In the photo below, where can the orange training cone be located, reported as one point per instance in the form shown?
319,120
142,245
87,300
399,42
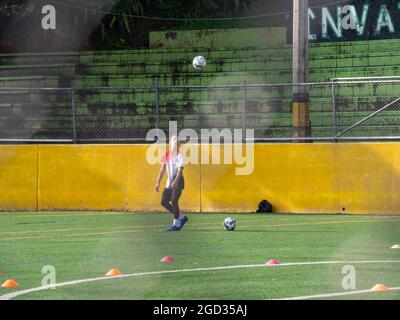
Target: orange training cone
272,262
114,272
10,284
167,259
380,288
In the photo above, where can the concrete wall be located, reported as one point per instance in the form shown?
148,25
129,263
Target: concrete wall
359,178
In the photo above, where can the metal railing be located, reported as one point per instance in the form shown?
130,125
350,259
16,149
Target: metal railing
342,109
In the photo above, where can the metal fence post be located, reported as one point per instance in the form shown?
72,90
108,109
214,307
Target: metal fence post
335,130
157,93
244,110
73,110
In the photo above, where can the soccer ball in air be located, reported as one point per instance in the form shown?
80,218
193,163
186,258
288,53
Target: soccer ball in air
199,63
230,224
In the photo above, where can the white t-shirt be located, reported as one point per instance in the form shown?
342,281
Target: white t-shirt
173,162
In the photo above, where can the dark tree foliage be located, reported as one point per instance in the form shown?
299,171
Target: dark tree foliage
89,25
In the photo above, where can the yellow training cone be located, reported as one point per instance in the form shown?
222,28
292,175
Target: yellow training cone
10,284
380,288
114,272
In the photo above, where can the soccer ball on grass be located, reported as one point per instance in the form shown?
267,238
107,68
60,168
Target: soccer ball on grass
229,224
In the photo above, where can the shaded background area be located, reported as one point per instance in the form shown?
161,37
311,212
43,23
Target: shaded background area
85,24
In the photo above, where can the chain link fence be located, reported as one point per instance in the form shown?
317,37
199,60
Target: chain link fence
343,109
114,114
29,115
367,108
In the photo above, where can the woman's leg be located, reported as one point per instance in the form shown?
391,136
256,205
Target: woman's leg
165,200
176,194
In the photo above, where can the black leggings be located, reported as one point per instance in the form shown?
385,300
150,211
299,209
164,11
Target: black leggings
170,198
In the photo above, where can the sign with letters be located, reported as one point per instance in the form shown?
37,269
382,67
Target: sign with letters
356,20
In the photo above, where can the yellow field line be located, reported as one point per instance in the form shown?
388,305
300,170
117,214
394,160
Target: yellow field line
129,227
87,214
328,222
71,235
131,231
39,231
101,233
320,223
25,238
118,227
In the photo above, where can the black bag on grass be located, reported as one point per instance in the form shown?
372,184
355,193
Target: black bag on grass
264,207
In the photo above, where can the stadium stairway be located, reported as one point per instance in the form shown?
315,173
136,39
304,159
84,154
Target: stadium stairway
28,112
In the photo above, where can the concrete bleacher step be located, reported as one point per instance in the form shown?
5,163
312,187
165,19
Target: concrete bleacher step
235,64
182,79
341,54
370,130
321,70
139,55
29,134
268,109
206,79
183,66
30,82
48,110
139,68
37,70
158,55
267,132
39,58
267,127
102,117
34,96
226,77
223,99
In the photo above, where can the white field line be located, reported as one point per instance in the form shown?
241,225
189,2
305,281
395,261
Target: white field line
76,282
330,295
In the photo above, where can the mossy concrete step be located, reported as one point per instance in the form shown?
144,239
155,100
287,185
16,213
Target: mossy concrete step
30,134
141,55
128,132
183,66
34,96
182,79
256,121
273,96
243,64
155,55
36,109
37,69
30,82
262,99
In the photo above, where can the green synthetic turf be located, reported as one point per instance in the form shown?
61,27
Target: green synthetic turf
87,245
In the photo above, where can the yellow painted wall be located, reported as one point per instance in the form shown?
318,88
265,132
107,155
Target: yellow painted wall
18,178
310,178
104,177
305,178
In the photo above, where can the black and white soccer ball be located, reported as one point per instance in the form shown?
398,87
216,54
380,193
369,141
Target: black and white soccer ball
229,224
199,63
